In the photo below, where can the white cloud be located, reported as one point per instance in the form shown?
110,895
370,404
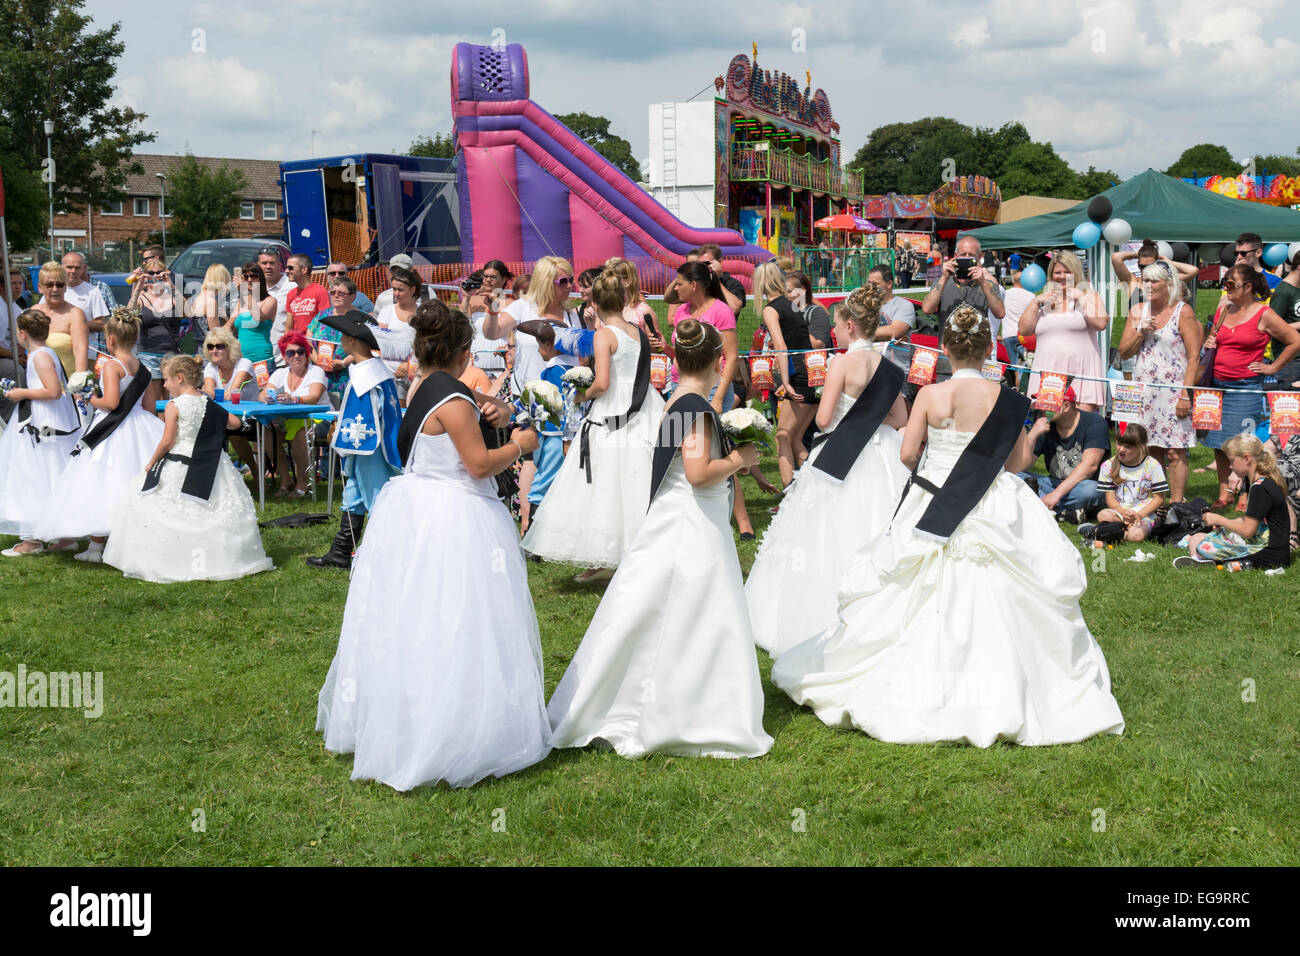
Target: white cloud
972,33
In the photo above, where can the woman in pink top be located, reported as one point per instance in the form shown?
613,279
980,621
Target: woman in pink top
1066,320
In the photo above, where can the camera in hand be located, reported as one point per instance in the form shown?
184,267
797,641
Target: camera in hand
471,284
964,266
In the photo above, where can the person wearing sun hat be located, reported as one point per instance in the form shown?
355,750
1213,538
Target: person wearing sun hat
366,437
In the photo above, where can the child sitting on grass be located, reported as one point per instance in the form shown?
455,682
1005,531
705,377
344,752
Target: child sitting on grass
1135,488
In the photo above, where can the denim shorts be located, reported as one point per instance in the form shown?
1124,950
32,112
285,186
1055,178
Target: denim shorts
153,362
728,402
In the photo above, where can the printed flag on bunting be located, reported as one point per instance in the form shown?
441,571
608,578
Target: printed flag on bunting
924,362
1207,409
1283,414
1126,401
1051,392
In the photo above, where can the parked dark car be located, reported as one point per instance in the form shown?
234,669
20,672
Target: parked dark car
191,265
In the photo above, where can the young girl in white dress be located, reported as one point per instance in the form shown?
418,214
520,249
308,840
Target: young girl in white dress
668,663
114,448
597,501
438,672
844,495
190,516
962,623
35,446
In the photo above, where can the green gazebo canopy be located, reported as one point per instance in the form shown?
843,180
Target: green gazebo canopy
1157,207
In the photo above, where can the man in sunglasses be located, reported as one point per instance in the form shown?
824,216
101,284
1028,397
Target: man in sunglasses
306,299
1249,250
337,270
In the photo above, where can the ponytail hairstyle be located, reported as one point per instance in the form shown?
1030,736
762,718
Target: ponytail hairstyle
441,334
1249,446
124,326
862,309
1252,279
700,272
698,345
631,281
609,293
966,335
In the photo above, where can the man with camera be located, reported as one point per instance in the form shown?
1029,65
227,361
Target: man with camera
964,281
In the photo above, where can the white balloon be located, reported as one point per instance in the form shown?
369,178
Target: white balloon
1117,232
1292,251
1165,249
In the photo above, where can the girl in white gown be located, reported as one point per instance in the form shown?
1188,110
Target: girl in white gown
668,663
35,446
438,672
596,503
190,516
828,515
963,622
115,447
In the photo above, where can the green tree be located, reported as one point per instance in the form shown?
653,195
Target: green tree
53,66
594,131
26,219
1278,165
1034,169
438,146
201,201
1096,181
1205,159
904,157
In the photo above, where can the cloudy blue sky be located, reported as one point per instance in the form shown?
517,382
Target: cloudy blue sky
1112,83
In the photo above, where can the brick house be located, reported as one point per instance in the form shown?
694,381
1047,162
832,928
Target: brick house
138,215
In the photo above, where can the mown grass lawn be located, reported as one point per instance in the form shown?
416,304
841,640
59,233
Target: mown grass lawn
206,752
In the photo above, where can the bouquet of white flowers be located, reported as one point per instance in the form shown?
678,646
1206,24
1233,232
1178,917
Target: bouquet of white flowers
540,403
81,386
745,425
580,377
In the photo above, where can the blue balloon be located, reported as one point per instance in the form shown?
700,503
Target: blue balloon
1275,254
1086,234
1033,278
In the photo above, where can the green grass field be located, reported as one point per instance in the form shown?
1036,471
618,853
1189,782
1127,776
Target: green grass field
206,752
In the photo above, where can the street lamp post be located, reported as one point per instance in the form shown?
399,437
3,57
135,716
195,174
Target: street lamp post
49,175
162,210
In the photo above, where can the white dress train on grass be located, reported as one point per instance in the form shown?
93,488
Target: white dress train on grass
821,524
977,640
438,672
592,525
31,463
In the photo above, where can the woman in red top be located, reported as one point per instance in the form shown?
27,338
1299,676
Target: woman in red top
1240,333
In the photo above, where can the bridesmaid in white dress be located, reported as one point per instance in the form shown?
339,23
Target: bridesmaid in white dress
668,663
597,501
840,501
962,623
190,517
438,673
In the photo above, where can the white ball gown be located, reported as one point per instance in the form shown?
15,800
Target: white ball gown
822,522
592,525
30,469
974,641
165,536
668,663
438,672
96,477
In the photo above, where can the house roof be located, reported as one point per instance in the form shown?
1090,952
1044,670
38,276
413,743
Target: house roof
1023,207
262,174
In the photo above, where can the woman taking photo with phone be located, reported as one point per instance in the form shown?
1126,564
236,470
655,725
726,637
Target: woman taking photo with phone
160,324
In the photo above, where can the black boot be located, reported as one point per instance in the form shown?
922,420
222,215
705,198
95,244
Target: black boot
345,542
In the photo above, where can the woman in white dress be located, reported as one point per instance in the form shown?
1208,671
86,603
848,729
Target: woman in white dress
191,517
597,501
844,495
35,446
668,663
962,623
438,672
113,450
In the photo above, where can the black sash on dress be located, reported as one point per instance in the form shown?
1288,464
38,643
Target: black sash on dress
22,416
130,397
976,468
201,466
433,391
673,429
850,436
640,387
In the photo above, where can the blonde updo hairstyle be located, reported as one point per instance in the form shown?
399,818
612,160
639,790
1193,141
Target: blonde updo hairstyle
966,335
186,367
124,326
698,346
610,293
862,310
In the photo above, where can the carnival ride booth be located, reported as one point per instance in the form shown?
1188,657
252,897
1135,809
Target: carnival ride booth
528,187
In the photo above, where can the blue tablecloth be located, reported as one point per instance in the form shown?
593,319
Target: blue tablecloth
268,411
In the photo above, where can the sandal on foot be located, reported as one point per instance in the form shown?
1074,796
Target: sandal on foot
14,552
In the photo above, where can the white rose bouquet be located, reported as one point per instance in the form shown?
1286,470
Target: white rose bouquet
745,425
580,377
81,386
540,403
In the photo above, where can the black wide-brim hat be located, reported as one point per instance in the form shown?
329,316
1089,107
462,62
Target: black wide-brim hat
354,323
